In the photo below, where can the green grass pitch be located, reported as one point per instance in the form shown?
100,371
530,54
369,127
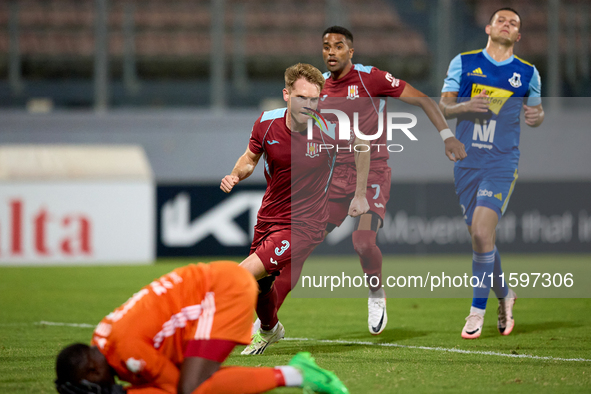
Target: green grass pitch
420,350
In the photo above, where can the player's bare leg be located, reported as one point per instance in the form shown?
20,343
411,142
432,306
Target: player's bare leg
484,222
364,242
255,266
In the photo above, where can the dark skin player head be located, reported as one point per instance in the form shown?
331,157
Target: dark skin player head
79,362
337,52
84,369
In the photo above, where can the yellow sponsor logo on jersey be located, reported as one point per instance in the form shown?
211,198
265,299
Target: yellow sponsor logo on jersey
499,196
497,97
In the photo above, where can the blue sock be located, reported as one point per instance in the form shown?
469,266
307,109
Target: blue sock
499,285
482,266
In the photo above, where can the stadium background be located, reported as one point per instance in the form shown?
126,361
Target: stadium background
185,80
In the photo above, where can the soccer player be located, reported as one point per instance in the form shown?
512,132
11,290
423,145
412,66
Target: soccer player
294,211
485,90
364,89
174,334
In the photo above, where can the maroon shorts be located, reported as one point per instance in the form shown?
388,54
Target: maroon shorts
342,191
280,244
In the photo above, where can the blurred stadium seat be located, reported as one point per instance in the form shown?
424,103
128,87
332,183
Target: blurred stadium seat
55,28
172,42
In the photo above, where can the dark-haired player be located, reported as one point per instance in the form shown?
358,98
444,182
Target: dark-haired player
486,90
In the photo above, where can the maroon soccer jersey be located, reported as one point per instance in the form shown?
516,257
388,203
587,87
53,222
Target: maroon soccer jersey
296,168
363,90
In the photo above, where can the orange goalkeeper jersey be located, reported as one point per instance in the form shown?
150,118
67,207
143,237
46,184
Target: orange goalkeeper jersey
144,339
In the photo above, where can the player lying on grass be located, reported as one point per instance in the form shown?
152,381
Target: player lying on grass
172,337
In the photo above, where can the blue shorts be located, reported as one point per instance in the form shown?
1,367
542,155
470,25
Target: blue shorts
484,187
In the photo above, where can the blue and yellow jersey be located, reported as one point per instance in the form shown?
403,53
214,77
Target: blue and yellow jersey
492,138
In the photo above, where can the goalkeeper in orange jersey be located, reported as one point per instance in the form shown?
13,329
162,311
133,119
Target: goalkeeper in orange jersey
172,337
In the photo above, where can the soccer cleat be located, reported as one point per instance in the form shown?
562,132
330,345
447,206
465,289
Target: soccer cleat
377,315
316,379
506,323
473,327
260,340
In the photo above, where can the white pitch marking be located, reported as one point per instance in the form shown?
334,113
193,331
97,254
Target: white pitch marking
80,325
437,349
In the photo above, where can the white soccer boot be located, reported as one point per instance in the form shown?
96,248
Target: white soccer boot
377,316
261,339
473,327
506,323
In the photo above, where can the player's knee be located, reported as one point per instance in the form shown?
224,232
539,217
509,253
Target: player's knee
364,241
481,235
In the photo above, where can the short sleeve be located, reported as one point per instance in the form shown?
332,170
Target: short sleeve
534,93
385,85
255,144
454,75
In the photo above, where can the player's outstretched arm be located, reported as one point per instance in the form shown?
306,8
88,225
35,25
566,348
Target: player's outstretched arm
534,116
359,204
454,149
243,169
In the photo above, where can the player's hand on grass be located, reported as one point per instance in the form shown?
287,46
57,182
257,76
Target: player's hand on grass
454,149
358,206
228,183
478,103
532,115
